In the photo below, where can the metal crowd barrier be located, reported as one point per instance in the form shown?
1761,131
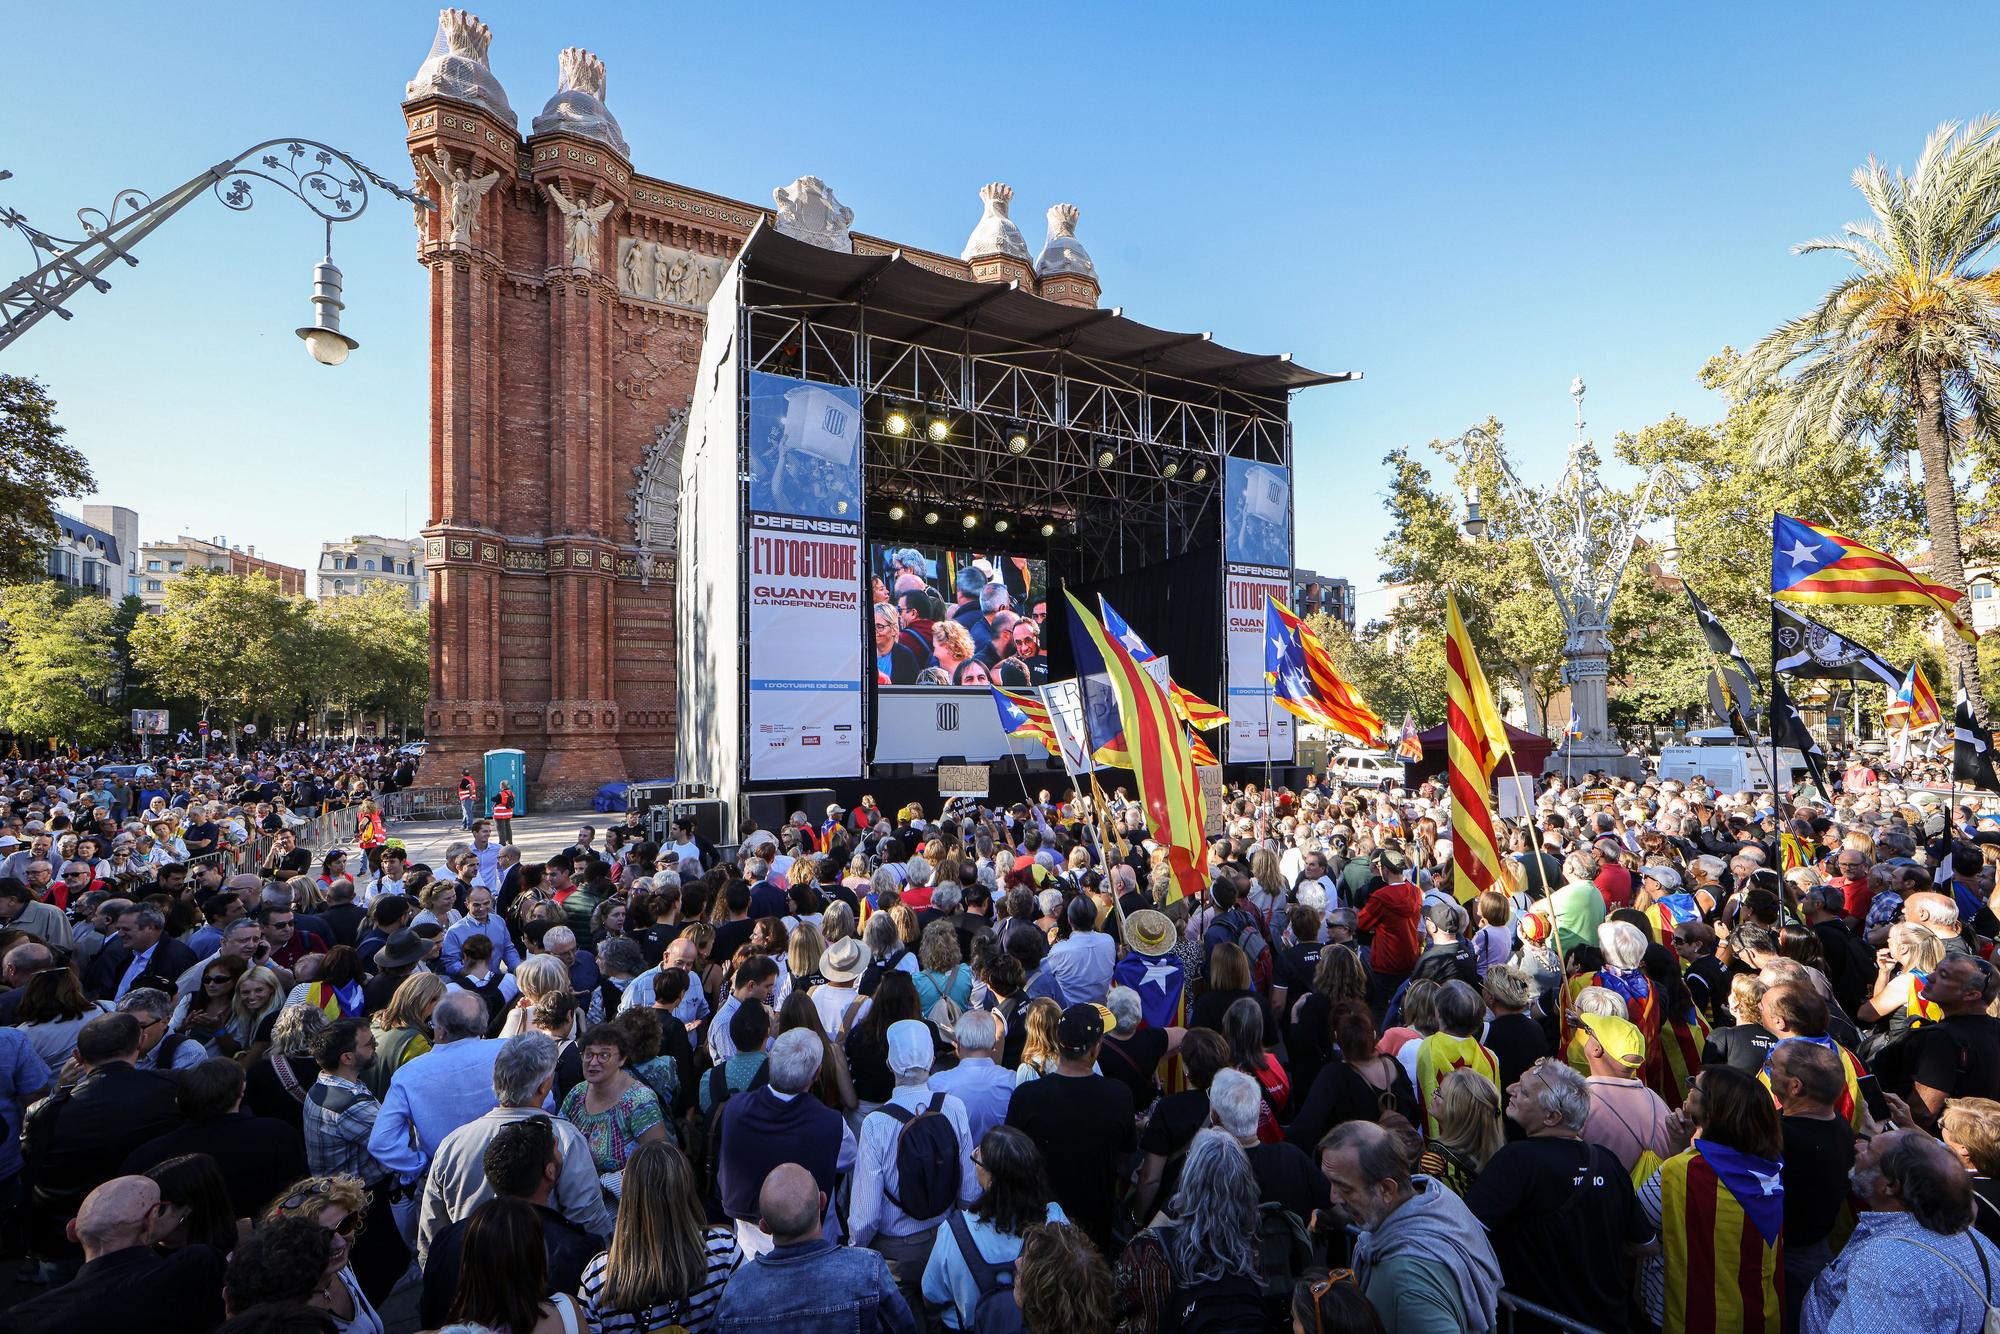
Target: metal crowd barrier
1512,1307
421,803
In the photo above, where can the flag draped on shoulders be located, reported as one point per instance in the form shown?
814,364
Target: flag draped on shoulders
1304,682
1722,1216
1161,981
1157,745
1475,743
1814,564
1440,1054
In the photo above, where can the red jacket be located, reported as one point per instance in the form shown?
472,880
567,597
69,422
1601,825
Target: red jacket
1393,913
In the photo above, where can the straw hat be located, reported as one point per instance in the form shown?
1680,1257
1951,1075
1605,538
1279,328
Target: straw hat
1149,931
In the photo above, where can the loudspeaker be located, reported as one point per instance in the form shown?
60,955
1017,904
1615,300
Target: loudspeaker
770,810
646,796
711,819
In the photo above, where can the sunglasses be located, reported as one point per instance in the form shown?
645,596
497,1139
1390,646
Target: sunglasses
1320,1288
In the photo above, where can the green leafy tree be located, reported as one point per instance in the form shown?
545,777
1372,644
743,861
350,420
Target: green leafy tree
228,642
1907,337
36,468
377,647
56,664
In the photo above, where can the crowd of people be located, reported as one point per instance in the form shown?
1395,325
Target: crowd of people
1692,1063
989,633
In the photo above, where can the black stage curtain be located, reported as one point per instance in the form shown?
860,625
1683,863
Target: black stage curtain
1175,606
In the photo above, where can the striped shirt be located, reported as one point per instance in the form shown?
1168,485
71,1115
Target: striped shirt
720,1257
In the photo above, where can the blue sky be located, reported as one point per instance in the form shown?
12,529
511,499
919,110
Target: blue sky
1469,204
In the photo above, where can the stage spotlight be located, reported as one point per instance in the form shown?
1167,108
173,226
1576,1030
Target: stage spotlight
1001,525
1107,454
1048,529
970,521
897,513
1200,473
896,421
930,518
1017,441
937,428
1170,468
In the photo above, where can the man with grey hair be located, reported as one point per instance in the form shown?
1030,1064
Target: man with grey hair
1284,1173
978,1080
1423,1261
449,1086
1081,963
877,1215
159,1048
523,1074
1554,1194
142,948
776,1123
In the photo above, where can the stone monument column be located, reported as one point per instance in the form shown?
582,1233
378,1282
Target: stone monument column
462,141
581,167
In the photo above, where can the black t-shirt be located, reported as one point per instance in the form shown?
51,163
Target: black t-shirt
1745,1047
1083,1125
199,837
1559,1213
1339,1094
1960,1056
1135,1062
653,941
1818,1154
1208,1011
1287,1176
1295,966
1516,1042
729,937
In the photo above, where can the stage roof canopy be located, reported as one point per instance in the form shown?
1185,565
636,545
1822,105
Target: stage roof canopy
909,302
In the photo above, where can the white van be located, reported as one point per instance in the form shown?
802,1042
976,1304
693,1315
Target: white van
1364,768
1728,764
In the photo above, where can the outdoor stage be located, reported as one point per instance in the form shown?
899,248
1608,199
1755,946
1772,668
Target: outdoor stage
866,430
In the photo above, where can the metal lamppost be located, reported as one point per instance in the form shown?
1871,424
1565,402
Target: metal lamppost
1583,539
333,184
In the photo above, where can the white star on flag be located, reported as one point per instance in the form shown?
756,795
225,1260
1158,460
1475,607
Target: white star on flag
1801,553
1157,974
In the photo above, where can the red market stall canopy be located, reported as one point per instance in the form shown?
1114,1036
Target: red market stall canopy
1531,752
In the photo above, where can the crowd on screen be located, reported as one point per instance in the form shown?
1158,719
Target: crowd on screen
986,630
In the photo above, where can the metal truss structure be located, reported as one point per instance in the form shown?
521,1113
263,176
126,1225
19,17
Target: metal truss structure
1124,465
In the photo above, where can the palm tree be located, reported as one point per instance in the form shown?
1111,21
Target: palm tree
1908,340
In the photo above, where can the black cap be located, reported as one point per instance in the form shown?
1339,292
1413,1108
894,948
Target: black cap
1080,1027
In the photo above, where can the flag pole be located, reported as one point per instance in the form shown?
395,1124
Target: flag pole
1269,689
1722,687
1019,773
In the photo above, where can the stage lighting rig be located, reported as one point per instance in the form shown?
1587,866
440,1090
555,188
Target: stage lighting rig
1200,473
1107,453
897,513
1017,439
970,520
1048,529
930,518
896,421
937,427
1001,524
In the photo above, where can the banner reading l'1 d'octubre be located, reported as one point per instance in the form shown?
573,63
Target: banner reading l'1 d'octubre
806,579
1257,551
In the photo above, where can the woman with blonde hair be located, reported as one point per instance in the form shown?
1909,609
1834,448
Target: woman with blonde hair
253,1012
803,946
338,1204
212,1006
1040,1051
906,925
402,1028
1268,892
1469,1131
951,644
1746,1043
537,977
666,1264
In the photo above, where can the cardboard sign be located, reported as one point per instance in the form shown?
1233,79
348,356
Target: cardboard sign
1213,796
964,780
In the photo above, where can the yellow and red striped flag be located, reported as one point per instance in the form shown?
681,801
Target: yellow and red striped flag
1156,743
1814,564
1203,756
1304,682
1914,706
1475,742
1195,711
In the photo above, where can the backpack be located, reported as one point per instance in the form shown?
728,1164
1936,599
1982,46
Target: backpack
704,1129
996,1311
1284,1252
1255,941
944,1011
927,1166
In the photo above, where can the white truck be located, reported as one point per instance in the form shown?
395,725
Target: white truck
1720,756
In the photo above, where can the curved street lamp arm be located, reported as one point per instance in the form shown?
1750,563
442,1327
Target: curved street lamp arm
331,183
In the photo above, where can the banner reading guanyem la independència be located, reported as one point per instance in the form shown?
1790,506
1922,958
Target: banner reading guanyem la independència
805,579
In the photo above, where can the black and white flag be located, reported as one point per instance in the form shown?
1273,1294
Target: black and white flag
1807,649
1788,727
1972,746
1720,641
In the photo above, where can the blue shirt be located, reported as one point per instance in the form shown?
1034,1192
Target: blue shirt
947,1281
493,929
435,1094
691,1009
985,1088
1886,1281
23,1073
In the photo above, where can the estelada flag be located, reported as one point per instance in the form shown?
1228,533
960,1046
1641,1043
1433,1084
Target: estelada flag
1913,705
1303,680
1814,564
1475,742
1023,715
1160,756
1409,746
1722,1230
1195,711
